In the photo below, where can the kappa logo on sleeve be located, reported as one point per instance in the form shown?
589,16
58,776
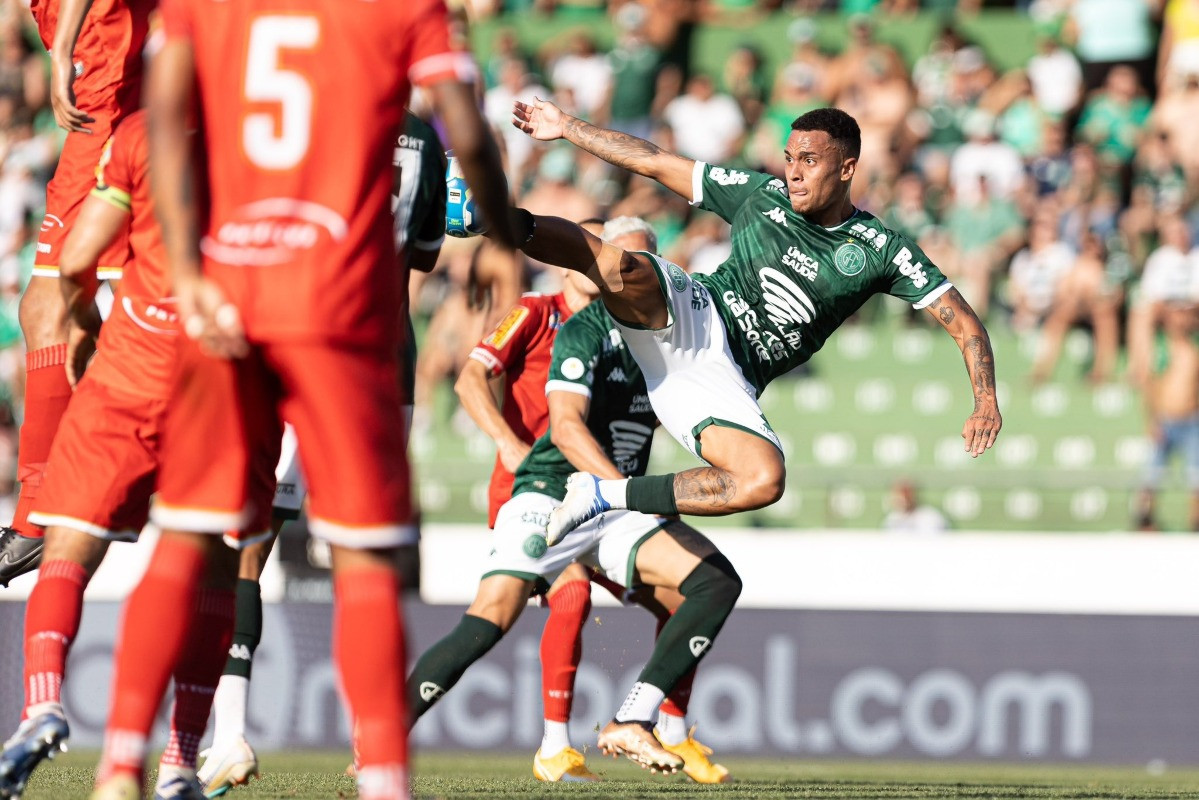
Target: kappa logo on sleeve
507,327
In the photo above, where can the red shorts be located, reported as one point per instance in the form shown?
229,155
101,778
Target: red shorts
101,469
103,466
73,180
345,407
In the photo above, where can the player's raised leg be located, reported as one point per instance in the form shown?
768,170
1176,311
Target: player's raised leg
746,472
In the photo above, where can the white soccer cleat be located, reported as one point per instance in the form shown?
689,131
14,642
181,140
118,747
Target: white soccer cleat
636,742
178,783
581,503
231,766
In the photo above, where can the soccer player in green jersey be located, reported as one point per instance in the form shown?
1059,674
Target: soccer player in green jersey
600,420
803,260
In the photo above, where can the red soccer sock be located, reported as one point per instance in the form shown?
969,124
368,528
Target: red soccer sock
51,624
155,628
46,395
562,648
196,675
368,646
679,698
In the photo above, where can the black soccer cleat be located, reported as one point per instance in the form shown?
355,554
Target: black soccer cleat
18,554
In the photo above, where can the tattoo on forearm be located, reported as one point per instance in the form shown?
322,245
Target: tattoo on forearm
614,147
981,363
704,488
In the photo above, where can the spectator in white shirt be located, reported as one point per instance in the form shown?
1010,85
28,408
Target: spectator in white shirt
706,125
586,74
983,156
908,516
1036,273
1056,77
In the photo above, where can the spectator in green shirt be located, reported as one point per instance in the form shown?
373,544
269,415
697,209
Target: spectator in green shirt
1114,117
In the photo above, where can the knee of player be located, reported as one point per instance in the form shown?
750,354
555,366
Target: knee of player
718,579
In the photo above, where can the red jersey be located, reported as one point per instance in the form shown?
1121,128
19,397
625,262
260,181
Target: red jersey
108,53
520,347
303,102
136,352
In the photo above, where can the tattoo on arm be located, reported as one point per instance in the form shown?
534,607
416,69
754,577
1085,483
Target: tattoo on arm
946,314
616,148
702,489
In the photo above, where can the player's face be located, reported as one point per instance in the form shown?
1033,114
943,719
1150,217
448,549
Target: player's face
817,173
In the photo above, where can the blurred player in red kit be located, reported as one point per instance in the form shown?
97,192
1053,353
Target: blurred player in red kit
101,470
96,79
287,292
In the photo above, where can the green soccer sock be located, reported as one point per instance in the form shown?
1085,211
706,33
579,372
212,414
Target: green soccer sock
652,494
709,594
247,629
443,664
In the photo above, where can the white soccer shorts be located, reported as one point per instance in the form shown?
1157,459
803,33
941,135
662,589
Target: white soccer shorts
608,542
690,371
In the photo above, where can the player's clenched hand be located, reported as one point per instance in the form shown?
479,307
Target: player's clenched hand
81,346
210,319
542,120
62,97
512,453
981,428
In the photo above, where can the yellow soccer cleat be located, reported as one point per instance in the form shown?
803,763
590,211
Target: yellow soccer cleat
118,787
568,766
696,764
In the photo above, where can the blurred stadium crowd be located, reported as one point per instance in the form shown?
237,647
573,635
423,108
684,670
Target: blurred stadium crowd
1057,193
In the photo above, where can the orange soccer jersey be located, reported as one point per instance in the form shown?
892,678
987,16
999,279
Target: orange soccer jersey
108,64
302,102
300,129
102,466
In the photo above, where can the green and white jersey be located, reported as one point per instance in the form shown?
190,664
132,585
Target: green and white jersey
590,358
789,283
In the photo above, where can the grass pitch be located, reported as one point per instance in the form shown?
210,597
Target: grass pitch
312,775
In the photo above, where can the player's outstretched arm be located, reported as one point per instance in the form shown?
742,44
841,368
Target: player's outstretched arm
477,154
569,433
545,121
959,319
62,66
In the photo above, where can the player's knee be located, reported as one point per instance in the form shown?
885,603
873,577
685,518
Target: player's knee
716,580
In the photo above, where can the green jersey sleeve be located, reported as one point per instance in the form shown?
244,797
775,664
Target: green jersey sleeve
572,365
724,190
910,274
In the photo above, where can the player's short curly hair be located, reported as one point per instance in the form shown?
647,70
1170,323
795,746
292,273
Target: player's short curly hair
840,127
